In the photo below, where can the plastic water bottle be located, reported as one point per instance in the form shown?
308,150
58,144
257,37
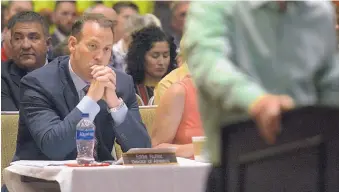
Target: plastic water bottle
85,140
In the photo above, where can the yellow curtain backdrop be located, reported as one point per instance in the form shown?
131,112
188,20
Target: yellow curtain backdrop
47,5
144,6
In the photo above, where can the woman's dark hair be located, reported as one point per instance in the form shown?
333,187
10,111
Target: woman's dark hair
142,42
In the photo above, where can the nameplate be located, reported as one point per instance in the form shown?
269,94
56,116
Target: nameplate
150,157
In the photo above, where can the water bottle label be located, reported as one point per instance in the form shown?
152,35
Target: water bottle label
85,134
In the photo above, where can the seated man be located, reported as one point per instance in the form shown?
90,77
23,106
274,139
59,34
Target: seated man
12,8
29,41
54,97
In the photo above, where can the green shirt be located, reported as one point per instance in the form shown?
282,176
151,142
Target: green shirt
238,51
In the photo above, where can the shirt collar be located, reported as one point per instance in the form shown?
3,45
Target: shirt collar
78,82
118,48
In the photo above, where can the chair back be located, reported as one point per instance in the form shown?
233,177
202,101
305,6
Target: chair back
147,115
140,101
304,158
151,101
9,132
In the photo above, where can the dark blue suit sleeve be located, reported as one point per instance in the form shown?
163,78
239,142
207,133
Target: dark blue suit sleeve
7,102
131,133
54,137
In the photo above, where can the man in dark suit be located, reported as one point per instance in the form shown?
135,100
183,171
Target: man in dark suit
29,40
54,97
63,17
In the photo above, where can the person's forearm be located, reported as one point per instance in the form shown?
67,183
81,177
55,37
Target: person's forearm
56,139
131,133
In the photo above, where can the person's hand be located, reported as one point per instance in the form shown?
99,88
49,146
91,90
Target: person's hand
107,75
96,90
266,112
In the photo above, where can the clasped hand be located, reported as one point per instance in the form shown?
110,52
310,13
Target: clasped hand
103,85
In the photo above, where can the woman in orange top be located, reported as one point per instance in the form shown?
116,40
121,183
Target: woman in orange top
177,119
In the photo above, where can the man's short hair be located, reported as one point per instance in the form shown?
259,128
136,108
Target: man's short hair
94,17
28,17
125,4
57,3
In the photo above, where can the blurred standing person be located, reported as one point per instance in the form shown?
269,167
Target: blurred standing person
63,17
257,59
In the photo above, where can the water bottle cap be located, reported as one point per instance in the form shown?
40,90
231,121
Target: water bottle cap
85,115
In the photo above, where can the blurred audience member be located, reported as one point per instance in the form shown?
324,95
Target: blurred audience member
63,17
162,10
124,10
151,56
30,40
12,8
47,14
61,49
6,48
132,24
3,24
106,11
179,10
177,119
151,19
174,76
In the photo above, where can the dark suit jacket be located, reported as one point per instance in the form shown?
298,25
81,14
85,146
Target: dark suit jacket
54,40
10,81
48,116
11,75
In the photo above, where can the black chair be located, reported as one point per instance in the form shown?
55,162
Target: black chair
305,157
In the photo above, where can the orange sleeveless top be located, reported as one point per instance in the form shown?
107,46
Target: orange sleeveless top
190,124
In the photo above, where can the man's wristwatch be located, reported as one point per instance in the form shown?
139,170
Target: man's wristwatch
115,109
